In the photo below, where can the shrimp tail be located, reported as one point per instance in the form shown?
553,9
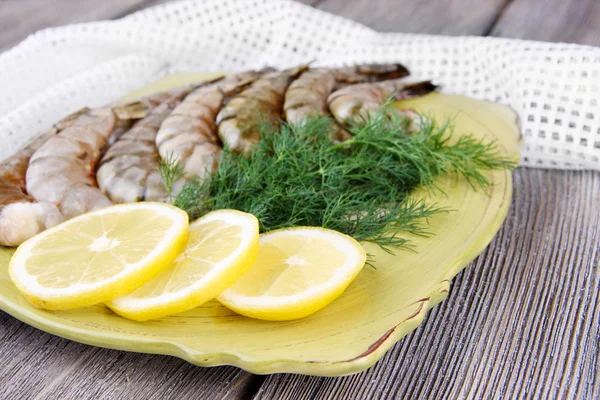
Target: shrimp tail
133,110
368,73
416,89
389,71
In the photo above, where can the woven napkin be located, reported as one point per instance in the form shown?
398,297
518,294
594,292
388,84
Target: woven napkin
554,87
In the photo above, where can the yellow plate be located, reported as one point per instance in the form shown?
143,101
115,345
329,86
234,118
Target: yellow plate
381,306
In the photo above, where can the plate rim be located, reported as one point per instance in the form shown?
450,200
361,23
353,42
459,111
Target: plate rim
316,368
376,351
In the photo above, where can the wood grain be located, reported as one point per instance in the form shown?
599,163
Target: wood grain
20,18
449,17
32,359
572,21
523,321
37,365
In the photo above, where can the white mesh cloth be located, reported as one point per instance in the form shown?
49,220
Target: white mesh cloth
555,88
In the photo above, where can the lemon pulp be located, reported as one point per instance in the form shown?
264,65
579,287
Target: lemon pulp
221,247
297,272
99,255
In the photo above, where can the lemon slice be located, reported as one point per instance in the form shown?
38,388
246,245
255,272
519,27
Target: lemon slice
297,272
98,256
221,247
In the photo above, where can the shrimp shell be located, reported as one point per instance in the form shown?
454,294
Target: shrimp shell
189,134
135,110
238,121
368,73
21,217
129,171
307,96
61,171
353,103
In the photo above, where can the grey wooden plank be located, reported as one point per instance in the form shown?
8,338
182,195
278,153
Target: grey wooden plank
37,365
110,374
32,359
572,21
151,3
523,321
449,17
20,18
37,360
143,5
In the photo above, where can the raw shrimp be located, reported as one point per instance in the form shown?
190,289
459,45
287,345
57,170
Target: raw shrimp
238,120
129,112
21,216
307,96
129,171
366,73
61,171
353,103
189,134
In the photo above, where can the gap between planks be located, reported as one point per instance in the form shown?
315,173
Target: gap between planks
499,14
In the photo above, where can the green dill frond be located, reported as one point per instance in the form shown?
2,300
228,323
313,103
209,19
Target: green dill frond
170,172
429,149
297,176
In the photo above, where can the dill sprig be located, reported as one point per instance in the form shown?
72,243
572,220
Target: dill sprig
297,176
170,172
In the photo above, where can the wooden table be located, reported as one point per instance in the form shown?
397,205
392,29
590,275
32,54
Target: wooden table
522,321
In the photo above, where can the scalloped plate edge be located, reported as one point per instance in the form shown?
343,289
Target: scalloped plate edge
367,359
